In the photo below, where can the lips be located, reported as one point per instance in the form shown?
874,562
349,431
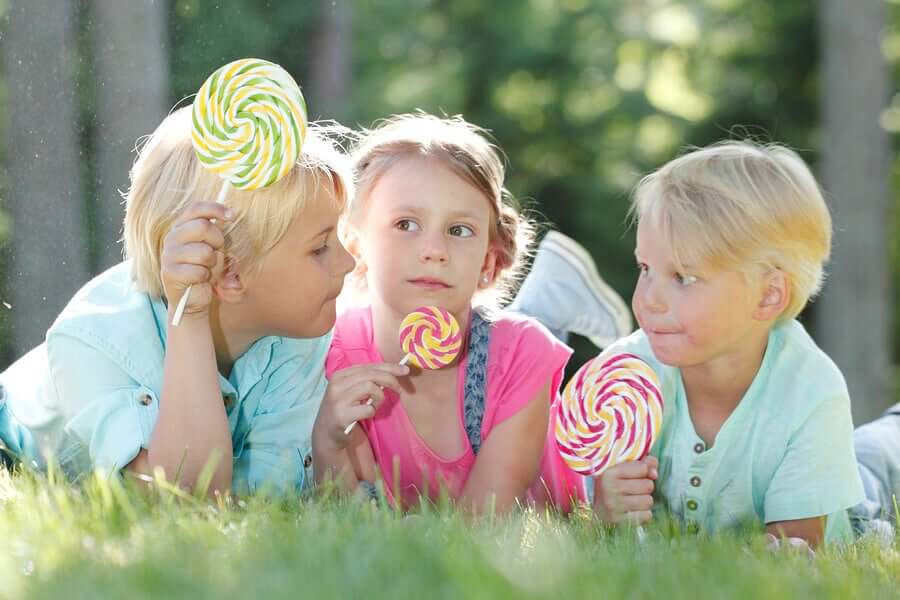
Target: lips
429,283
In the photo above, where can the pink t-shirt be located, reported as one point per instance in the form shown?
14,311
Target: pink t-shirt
522,358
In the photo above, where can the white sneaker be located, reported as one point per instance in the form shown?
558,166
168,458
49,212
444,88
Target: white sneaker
565,292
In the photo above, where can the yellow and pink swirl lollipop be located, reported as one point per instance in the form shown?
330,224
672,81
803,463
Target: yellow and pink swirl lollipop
249,123
610,412
431,339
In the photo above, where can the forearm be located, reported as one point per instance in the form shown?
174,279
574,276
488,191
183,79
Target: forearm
192,427
331,463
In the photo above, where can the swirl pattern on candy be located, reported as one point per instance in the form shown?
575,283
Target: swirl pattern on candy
610,412
249,123
430,337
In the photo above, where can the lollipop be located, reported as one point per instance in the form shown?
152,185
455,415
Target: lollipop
431,339
249,123
611,412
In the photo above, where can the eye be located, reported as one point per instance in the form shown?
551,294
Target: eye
406,225
462,231
685,280
320,250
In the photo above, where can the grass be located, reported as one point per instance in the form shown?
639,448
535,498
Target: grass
106,538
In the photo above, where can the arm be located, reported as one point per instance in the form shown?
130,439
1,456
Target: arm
348,459
818,476
810,530
509,460
192,427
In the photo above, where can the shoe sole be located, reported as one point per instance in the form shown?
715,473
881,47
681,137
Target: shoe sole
579,258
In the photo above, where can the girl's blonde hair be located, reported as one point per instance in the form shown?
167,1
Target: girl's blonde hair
743,206
465,149
167,177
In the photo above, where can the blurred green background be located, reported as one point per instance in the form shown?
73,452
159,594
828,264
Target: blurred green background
584,96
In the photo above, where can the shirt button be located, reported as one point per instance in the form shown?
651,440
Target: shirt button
307,462
145,399
695,481
699,448
692,504
693,527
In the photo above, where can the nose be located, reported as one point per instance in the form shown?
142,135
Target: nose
648,295
434,248
345,261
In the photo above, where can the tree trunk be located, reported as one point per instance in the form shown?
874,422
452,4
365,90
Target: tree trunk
132,78
854,319
328,92
49,260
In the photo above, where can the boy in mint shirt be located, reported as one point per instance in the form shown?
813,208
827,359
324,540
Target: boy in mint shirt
731,243
116,386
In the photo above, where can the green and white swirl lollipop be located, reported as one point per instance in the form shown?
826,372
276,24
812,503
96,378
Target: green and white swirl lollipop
249,123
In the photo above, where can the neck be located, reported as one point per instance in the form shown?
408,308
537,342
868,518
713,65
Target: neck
726,378
386,327
231,336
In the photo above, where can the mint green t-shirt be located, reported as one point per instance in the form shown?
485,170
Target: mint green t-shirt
785,453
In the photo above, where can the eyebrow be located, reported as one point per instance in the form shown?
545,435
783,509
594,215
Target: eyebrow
325,231
420,210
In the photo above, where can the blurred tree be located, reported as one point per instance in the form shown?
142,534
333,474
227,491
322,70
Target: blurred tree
328,88
854,319
49,248
131,80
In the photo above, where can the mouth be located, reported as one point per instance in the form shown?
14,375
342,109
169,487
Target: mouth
429,283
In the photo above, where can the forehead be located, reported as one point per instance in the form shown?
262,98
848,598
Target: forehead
427,183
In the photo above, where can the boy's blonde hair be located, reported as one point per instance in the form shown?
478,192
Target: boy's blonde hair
743,206
167,177
465,150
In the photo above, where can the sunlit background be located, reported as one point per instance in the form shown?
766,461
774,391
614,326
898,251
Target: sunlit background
583,96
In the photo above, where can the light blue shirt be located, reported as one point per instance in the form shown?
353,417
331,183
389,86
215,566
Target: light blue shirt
89,395
785,453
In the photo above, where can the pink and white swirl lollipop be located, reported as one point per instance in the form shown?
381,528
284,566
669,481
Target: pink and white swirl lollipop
610,412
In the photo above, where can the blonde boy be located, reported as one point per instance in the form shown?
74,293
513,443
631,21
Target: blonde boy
239,381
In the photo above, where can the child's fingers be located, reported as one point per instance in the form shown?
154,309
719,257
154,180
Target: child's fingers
198,230
633,487
188,274
357,370
376,374
361,392
629,470
356,413
206,211
194,253
652,465
635,503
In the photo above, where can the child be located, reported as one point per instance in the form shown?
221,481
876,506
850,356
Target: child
116,386
433,225
731,242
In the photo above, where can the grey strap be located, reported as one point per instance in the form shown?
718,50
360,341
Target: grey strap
476,378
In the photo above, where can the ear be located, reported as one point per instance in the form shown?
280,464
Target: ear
776,295
351,243
229,285
488,269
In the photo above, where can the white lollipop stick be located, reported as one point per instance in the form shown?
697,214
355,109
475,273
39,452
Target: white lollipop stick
179,310
350,427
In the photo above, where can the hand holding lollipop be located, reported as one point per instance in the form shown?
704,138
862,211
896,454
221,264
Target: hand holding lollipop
610,413
249,123
430,337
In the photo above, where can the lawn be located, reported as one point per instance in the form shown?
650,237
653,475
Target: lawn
103,538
